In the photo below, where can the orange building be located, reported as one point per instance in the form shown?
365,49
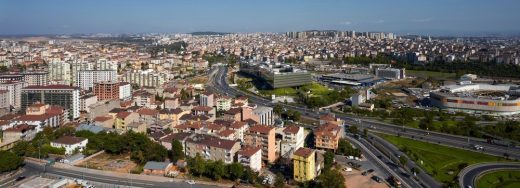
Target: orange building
263,136
106,90
327,136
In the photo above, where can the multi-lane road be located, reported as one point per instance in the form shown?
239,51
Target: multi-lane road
218,83
33,168
469,175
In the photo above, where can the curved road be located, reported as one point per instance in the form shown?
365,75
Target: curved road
218,83
468,176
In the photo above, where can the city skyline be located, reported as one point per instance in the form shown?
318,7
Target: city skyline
436,18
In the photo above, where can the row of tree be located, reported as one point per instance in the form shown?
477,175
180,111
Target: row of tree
218,170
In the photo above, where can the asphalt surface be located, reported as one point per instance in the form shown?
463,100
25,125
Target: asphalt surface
469,175
34,169
219,84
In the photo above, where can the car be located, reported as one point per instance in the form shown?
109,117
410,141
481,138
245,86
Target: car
370,170
191,182
347,169
364,173
20,178
377,179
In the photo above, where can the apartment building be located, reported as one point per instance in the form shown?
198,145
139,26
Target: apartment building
263,136
212,148
304,164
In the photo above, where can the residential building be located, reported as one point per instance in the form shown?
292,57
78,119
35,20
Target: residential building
264,114
123,119
15,92
36,78
19,132
293,138
60,72
125,90
87,78
263,136
223,103
5,99
106,90
70,143
327,136
87,100
207,99
304,164
251,157
212,148
144,78
61,95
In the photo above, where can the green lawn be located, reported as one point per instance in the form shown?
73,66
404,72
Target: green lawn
439,160
510,179
314,88
435,75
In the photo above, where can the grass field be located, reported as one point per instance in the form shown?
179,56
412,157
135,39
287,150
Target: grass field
435,75
443,163
314,88
500,179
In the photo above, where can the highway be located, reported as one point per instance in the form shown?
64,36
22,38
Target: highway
33,168
469,175
384,163
218,83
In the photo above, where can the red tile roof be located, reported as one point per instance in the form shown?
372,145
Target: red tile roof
304,152
248,151
264,129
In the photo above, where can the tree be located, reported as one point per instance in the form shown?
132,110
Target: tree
235,171
403,160
279,181
278,109
331,179
9,161
328,158
353,129
365,132
216,170
250,176
176,152
197,165
296,116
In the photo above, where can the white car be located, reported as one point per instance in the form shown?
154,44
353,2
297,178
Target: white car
191,182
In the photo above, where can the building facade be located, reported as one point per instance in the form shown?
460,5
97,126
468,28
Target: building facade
61,95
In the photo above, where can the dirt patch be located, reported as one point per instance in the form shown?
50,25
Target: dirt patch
115,163
355,179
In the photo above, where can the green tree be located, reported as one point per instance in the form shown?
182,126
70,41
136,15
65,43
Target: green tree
235,171
216,170
331,179
176,152
279,181
296,116
328,158
353,129
197,165
250,176
9,161
278,109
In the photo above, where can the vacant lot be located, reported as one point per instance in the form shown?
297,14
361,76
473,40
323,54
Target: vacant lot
116,163
502,179
355,179
444,163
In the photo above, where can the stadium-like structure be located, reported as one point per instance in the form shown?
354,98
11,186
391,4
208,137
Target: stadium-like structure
478,98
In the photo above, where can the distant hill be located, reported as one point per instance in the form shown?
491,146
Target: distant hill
208,33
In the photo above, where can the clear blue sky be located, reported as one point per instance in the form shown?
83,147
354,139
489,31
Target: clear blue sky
434,17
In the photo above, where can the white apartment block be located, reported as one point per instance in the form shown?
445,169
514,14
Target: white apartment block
293,137
125,90
60,71
15,92
87,78
250,157
265,115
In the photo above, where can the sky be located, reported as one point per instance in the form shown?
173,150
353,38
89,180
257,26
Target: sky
426,17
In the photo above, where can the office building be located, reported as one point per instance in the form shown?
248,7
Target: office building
391,73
